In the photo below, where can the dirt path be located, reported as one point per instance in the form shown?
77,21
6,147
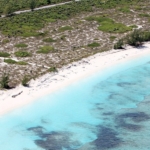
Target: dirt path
43,7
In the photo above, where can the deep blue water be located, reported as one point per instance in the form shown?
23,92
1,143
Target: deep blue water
109,110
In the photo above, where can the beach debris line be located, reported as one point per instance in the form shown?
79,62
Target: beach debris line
13,96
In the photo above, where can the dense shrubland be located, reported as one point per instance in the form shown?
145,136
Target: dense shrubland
10,6
109,25
4,54
136,38
27,24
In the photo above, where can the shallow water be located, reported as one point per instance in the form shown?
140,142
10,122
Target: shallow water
109,110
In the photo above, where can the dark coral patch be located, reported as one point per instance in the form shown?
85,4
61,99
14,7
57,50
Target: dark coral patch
125,84
37,130
136,117
54,141
128,126
119,97
108,113
107,139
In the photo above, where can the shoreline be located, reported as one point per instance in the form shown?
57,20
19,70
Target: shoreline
71,73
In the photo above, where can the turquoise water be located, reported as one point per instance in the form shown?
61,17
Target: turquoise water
109,110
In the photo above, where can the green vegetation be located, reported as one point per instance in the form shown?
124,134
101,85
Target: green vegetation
125,10
22,63
36,22
45,49
22,54
134,26
65,28
48,40
11,61
63,37
27,24
119,44
21,45
35,34
94,44
32,4
138,8
113,27
42,34
112,38
109,25
144,15
4,81
4,54
8,9
136,38
99,19
52,69
9,6
5,41
25,81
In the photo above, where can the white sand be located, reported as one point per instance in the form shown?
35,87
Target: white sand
67,75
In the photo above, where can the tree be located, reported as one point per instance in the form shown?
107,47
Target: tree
4,81
119,44
135,38
48,1
8,10
53,69
32,5
25,81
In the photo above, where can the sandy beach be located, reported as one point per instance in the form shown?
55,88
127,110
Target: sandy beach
51,82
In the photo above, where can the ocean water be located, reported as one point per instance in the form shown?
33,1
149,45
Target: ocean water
109,110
